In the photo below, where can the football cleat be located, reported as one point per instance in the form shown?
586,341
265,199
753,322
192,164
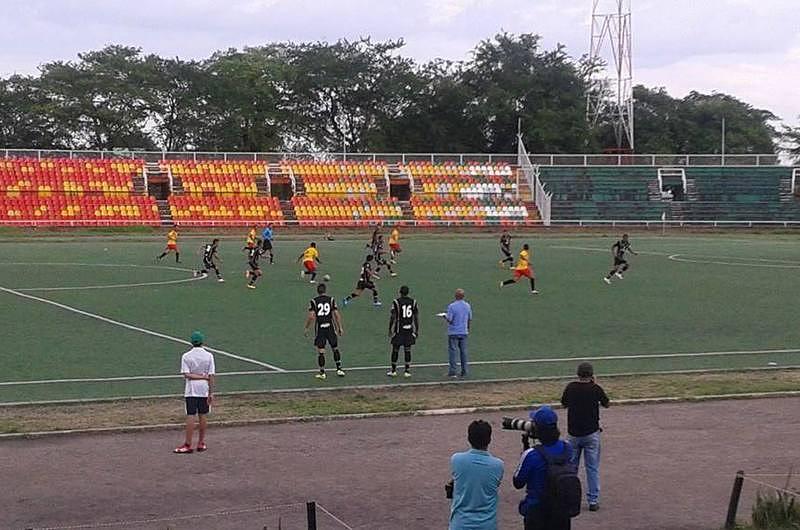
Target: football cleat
391,373
394,274
619,275
251,286
534,292
406,374
321,377
221,280
340,372
607,280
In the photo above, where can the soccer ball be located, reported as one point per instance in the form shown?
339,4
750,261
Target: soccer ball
327,277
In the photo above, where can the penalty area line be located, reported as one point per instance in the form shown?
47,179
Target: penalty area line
135,328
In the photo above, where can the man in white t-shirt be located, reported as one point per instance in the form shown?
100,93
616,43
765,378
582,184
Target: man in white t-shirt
197,368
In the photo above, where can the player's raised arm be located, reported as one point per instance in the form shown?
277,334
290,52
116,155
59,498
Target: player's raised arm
392,317
415,313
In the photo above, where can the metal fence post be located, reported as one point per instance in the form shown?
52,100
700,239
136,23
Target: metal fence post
311,511
733,505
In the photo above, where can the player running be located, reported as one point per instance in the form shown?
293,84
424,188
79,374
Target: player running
209,260
403,329
323,312
365,282
310,258
394,244
172,246
375,233
505,248
252,236
253,255
523,268
618,250
378,253
266,243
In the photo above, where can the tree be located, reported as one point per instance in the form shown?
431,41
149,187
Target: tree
510,77
791,140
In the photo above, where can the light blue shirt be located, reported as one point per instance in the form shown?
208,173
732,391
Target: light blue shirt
459,313
477,476
267,234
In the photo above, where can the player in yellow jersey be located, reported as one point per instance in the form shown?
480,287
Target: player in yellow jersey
172,246
310,258
523,268
394,244
252,235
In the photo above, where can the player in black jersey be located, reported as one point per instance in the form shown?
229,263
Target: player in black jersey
505,248
209,260
375,233
253,255
323,312
378,253
403,329
365,282
618,250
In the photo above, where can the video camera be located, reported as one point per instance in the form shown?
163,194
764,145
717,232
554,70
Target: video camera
527,427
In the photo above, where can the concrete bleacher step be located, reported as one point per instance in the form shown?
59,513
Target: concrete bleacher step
408,212
261,186
288,211
299,185
653,193
177,184
691,190
785,190
381,188
165,213
138,185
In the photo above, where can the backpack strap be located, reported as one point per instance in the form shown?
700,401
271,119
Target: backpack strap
563,458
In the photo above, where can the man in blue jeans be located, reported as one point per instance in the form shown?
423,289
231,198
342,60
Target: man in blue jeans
582,399
459,320
476,478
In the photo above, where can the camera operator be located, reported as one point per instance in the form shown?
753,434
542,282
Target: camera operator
582,399
476,478
541,510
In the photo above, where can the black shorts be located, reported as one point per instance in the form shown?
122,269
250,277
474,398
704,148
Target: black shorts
405,339
365,285
208,264
326,335
266,244
196,405
619,261
254,268
506,251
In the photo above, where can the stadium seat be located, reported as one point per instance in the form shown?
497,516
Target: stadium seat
346,210
217,176
199,209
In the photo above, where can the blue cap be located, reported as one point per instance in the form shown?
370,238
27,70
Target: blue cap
197,338
544,416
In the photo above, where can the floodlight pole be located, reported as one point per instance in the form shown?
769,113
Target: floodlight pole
610,95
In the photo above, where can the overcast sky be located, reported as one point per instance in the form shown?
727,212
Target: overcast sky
749,48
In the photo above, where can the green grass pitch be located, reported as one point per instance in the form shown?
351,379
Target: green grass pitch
683,294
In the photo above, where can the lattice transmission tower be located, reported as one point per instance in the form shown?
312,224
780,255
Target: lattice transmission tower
610,97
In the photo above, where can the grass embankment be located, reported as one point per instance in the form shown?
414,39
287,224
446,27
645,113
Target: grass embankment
241,408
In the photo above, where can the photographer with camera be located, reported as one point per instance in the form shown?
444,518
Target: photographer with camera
546,470
476,477
582,399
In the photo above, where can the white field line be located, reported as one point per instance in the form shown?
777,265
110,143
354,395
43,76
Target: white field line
421,365
712,260
448,382
595,249
134,328
109,286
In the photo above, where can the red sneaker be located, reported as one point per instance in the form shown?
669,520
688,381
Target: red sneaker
201,447
184,449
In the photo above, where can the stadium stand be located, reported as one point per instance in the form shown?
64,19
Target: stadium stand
345,210
200,209
427,210
73,193
603,193
218,177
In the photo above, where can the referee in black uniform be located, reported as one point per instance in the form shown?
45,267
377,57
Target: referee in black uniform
403,329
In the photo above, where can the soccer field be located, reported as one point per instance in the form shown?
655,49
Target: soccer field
88,318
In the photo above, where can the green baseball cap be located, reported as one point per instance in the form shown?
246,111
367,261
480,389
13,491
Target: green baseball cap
197,338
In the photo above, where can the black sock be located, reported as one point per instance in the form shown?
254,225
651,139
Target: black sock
509,282
610,274
337,358
162,255
313,276
177,257
271,258
350,296
624,267
375,296
321,362
394,359
408,359
533,284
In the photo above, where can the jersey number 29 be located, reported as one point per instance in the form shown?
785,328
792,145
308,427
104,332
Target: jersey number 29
323,310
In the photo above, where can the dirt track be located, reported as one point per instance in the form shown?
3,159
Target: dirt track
664,466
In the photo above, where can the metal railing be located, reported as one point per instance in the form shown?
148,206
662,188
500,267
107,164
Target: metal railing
652,160
541,197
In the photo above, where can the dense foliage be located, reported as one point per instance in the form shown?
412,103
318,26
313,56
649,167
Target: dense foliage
362,96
